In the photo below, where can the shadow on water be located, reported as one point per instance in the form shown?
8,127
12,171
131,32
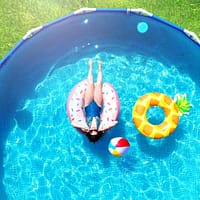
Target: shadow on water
15,86
7,122
100,148
159,148
127,163
24,119
5,125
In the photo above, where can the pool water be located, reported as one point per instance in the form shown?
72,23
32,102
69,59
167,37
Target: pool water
46,158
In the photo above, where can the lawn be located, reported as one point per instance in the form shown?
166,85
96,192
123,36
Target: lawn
18,16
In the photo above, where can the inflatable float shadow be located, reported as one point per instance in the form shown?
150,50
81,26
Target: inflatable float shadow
161,148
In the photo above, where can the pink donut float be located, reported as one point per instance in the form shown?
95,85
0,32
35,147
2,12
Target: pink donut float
75,104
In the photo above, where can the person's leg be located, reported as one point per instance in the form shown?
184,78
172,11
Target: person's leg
98,86
89,93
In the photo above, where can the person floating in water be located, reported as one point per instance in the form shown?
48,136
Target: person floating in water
93,105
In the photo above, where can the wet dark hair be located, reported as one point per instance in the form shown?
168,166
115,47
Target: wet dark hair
94,138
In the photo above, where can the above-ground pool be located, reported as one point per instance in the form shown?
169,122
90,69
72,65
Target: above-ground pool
43,157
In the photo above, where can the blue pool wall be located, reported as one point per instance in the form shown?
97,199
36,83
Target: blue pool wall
156,35
110,30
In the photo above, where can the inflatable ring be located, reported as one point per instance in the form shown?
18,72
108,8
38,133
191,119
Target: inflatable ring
168,125
111,105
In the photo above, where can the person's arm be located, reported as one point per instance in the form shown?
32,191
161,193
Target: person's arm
105,126
83,126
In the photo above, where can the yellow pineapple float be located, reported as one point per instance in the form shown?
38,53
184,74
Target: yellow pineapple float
173,110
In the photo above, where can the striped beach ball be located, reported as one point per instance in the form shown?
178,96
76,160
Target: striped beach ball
118,146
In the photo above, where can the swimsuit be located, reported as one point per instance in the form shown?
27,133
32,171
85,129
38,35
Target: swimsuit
93,110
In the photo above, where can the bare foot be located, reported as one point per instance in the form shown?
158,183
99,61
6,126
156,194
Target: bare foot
90,62
100,65
82,126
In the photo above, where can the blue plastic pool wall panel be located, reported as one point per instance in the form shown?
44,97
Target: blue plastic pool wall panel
21,42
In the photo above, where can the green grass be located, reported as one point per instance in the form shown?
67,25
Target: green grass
17,17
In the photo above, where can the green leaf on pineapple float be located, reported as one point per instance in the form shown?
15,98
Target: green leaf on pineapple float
182,103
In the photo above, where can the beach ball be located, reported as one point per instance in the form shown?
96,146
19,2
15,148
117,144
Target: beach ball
118,146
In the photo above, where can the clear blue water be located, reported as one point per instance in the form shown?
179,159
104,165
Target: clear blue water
46,158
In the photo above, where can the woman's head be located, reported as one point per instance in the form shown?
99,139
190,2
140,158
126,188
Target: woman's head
94,135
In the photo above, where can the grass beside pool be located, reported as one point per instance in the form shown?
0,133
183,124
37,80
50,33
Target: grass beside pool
17,17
